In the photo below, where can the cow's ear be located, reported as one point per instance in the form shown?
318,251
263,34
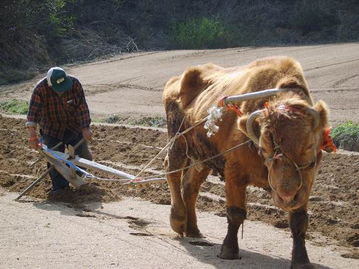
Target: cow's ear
323,112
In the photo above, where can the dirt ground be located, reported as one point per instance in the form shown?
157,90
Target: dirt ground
130,86
333,204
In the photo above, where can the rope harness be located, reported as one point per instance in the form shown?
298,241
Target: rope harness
278,154
193,164
161,176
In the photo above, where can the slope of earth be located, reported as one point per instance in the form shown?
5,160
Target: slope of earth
333,205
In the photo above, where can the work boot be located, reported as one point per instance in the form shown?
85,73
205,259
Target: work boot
59,194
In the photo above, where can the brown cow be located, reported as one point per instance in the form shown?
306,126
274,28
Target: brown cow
285,132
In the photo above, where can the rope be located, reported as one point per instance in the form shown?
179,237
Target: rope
278,154
151,179
171,142
161,177
144,179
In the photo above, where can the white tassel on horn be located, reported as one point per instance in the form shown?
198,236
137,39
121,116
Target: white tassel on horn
214,114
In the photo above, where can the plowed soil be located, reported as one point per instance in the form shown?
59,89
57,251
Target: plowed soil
333,204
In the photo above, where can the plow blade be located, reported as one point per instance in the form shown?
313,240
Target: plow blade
92,165
68,166
99,167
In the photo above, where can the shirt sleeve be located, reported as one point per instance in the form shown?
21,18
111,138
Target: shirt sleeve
33,115
84,114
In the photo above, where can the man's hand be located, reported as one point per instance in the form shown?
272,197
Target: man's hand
33,138
34,142
87,134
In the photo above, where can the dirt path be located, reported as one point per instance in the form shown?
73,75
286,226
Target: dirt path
132,84
134,234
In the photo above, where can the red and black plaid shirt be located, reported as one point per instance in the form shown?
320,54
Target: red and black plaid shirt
55,113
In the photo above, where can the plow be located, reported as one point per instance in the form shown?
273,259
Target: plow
75,169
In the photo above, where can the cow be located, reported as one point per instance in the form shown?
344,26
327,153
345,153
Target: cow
273,140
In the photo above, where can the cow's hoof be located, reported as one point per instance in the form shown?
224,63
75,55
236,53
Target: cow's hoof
195,233
229,253
303,266
178,222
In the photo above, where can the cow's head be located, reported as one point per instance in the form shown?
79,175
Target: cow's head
289,136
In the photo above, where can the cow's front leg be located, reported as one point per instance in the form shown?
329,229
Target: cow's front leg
191,185
236,214
178,210
298,221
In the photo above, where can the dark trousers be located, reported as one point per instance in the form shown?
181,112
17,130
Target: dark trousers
70,138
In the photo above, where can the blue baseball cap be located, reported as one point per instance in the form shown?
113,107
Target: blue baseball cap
58,80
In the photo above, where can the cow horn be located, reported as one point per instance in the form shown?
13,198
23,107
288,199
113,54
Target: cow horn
250,131
254,115
315,115
253,95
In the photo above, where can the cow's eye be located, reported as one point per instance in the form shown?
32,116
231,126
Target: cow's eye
310,147
262,151
312,165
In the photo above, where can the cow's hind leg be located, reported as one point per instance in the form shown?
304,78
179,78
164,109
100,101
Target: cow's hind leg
298,222
191,185
236,214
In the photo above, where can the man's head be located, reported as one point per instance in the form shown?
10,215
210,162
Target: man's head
58,80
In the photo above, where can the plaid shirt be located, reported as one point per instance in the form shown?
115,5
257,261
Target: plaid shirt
55,113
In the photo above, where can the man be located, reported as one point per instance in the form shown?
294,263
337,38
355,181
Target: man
59,107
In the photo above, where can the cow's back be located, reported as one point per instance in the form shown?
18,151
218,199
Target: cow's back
200,87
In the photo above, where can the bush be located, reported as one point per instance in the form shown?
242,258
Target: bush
151,122
313,16
346,136
200,33
156,121
14,106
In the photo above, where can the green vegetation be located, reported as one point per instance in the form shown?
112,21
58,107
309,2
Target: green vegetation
145,121
200,33
346,136
38,34
113,119
150,121
14,106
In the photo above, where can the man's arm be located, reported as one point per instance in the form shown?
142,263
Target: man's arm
33,117
83,112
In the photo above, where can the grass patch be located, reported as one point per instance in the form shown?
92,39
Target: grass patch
157,121
346,136
14,106
150,121
112,119
200,33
